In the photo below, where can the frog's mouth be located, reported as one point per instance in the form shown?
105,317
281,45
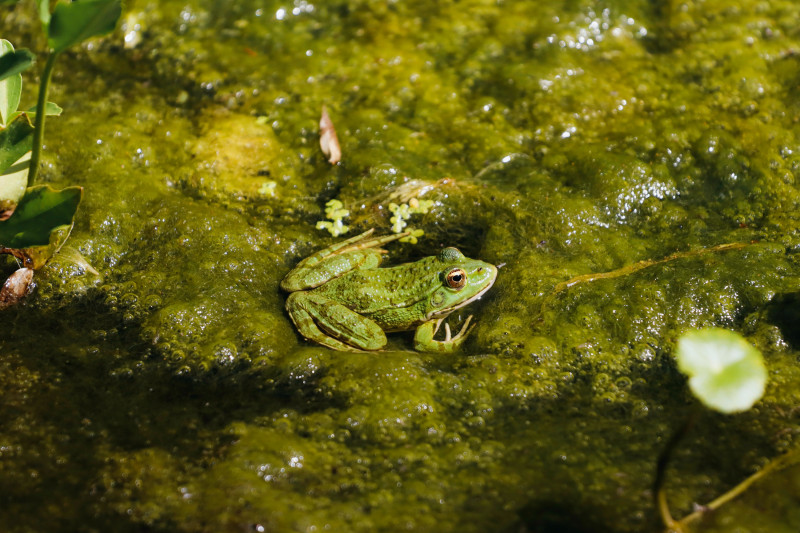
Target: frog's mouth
442,313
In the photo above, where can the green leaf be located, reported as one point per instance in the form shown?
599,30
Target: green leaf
12,185
77,21
41,211
44,13
50,109
725,372
13,63
8,2
10,88
15,141
17,138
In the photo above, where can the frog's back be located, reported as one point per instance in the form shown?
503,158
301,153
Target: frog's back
371,291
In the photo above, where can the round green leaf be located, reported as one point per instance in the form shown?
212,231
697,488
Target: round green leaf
725,372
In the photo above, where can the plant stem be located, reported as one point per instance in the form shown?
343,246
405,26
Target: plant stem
635,267
776,464
659,493
38,127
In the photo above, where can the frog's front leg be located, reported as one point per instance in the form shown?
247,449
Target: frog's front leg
331,324
424,341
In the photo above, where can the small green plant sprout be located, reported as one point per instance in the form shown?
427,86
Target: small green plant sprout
413,236
403,212
335,212
726,373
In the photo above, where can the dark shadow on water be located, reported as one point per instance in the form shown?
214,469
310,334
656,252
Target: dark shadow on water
80,408
784,312
556,517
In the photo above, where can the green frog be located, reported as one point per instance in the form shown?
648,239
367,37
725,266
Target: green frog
342,300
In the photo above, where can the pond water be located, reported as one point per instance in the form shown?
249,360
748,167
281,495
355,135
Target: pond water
172,392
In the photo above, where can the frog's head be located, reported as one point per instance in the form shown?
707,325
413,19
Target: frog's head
462,280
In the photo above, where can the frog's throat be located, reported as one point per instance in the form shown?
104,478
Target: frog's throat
442,313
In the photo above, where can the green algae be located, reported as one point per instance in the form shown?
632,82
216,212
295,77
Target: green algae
562,139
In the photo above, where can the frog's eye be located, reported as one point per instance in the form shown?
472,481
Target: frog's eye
456,278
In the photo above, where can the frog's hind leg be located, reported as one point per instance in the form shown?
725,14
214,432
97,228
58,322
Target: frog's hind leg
331,324
355,253
359,242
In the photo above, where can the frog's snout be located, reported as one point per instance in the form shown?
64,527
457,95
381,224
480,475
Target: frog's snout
486,273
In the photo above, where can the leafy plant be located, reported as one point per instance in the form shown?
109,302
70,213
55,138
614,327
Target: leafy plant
16,136
727,374
36,220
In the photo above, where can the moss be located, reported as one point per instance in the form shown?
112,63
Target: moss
561,139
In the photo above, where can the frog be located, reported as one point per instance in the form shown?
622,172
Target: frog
341,298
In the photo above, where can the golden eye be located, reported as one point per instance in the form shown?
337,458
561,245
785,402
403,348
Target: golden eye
456,278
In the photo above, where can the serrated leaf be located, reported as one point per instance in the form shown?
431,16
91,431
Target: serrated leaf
15,140
13,63
10,88
725,372
12,185
41,211
77,21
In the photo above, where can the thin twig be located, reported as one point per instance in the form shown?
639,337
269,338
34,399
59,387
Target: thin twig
635,267
776,464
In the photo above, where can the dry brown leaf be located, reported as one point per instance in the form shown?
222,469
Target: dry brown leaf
327,138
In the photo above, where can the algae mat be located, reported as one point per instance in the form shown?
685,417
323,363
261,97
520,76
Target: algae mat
171,392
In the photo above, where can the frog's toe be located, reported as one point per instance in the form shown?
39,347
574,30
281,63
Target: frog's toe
424,341
463,332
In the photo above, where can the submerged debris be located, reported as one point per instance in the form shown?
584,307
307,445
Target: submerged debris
406,192
71,255
328,140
